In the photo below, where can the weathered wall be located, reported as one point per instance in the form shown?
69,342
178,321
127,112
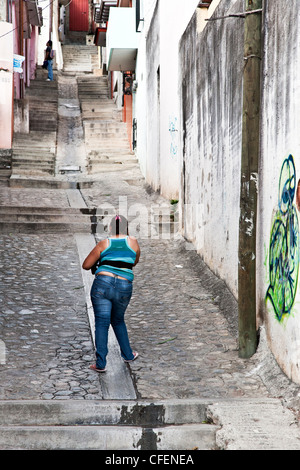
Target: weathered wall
6,85
153,102
278,250
171,31
211,64
157,101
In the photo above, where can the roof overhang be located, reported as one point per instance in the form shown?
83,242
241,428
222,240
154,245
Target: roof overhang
122,59
122,40
34,13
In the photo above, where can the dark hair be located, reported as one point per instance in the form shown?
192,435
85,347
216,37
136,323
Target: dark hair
50,43
119,225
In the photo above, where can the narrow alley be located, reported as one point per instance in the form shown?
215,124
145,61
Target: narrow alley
69,175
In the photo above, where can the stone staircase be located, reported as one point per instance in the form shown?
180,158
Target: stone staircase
161,220
28,219
80,58
106,138
5,165
33,154
105,425
43,98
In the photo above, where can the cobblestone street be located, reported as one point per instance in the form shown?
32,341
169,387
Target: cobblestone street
187,344
43,322
182,319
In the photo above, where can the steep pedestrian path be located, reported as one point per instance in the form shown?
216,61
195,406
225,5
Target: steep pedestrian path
33,153
80,59
106,138
188,389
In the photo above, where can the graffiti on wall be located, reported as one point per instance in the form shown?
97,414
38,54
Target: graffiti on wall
173,130
284,244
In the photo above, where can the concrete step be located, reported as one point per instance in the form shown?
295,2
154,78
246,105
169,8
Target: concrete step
48,227
97,102
45,144
185,437
99,212
32,155
107,146
120,136
35,137
100,115
5,159
107,125
105,425
110,167
25,219
31,167
42,125
109,157
43,108
41,113
79,58
41,85
34,181
92,86
45,218
39,90
186,424
109,140
98,107
78,68
38,106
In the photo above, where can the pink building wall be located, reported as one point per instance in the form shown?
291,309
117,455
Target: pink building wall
6,85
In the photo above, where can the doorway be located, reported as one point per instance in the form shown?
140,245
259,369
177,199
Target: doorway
79,15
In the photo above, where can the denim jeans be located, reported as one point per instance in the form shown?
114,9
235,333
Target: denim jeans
110,297
49,68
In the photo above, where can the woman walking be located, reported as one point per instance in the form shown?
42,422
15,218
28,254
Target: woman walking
112,261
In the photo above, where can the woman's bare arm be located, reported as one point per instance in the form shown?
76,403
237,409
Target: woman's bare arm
94,255
133,243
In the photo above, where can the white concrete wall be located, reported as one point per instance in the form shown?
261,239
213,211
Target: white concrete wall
280,137
140,95
212,64
174,17
211,91
140,105
58,58
157,104
44,36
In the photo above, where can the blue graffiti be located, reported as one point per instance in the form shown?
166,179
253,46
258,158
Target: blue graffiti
173,129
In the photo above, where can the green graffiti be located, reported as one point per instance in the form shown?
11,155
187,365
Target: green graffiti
284,245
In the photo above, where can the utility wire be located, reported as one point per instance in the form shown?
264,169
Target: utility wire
5,34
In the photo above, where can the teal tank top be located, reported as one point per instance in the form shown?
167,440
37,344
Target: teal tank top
118,250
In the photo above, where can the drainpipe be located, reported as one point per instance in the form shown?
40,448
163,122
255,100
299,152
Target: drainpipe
249,179
21,20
